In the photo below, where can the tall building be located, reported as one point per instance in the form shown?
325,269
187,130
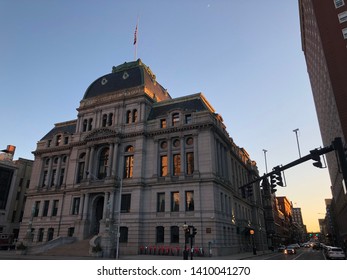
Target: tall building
324,43
137,168
14,181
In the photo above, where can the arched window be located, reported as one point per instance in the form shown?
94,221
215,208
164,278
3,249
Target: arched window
85,124
103,163
129,162
134,115
104,120
110,119
128,117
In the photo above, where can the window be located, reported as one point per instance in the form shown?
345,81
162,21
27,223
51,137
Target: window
188,119
175,201
128,117
163,166
176,143
160,234
342,17
176,164
189,201
344,32
44,178
163,123
90,124
103,163
134,115
125,205
66,140
70,231
50,234
161,202
110,119
40,235
189,163
54,173
175,236
45,208
85,125
80,169
58,140
339,3
163,145
104,120
129,162
61,178
175,119
76,205
55,208
36,209
123,238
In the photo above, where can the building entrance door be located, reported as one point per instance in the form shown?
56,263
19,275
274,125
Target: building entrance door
97,214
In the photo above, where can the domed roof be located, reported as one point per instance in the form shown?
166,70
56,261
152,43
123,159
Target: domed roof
125,76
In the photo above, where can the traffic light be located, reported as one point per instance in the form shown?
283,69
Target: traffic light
316,157
249,190
278,177
273,183
194,231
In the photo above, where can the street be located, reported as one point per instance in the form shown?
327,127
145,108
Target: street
301,254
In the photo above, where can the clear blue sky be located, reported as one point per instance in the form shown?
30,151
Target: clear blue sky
244,56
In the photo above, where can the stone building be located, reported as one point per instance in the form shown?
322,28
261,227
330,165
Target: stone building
14,181
136,166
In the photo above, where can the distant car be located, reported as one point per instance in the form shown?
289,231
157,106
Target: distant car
335,253
290,250
281,248
296,246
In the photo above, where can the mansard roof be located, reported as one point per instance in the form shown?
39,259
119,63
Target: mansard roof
190,103
61,128
125,76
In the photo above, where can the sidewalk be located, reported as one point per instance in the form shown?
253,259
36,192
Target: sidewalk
12,255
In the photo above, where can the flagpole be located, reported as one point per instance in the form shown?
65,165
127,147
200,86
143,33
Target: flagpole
135,36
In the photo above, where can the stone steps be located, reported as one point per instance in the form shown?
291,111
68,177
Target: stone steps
77,249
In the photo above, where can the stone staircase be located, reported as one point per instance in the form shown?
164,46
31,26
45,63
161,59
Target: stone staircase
76,249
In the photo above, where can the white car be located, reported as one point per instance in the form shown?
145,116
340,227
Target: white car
335,253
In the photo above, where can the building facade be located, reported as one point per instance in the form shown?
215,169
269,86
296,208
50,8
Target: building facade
14,181
139,165
324,41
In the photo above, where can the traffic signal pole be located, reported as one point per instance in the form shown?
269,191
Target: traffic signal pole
315,154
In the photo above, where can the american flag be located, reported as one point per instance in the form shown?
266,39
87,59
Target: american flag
135,35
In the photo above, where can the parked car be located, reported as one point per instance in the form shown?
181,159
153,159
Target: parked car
334,253
281,248
290,250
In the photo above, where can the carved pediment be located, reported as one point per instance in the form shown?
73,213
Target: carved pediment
101,133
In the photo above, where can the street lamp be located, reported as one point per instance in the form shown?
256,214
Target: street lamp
265,151
297,139
186,235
